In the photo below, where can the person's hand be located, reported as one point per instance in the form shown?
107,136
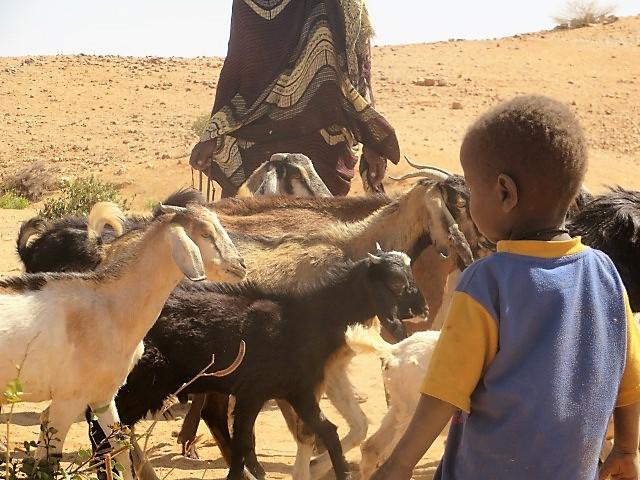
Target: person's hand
392,471
376,167
620,465
201,154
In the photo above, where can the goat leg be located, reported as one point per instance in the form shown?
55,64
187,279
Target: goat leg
307,408
242,443
341,393
214,414
187,434
107,419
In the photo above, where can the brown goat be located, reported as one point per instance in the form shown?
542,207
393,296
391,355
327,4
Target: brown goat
286,262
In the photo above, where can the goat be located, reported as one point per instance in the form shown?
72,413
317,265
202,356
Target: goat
404,366
62,246
204,319
285,174
611,222
57,322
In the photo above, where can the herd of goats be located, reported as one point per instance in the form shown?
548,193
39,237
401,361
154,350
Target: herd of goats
298,282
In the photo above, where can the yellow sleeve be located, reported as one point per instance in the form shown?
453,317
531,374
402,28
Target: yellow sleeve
469,328
629,391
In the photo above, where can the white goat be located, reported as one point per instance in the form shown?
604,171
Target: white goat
404,366
79,335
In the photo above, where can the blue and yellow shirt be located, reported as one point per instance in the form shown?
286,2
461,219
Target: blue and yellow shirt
538,348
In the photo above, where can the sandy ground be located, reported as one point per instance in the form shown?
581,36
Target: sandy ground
128,120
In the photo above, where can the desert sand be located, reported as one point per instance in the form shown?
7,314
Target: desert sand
128,120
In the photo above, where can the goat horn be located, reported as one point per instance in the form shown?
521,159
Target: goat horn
162,209
233,367
378,248
435,175
374,259
426,167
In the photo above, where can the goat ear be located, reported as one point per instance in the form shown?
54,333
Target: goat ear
378,248
186,254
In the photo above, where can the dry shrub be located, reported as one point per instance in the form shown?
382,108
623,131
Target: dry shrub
31,181
581,13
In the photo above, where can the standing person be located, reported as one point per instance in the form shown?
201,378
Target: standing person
540,346
297,78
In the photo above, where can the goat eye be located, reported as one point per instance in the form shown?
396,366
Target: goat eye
206,235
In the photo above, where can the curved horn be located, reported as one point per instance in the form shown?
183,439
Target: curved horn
426,167
162,209
374,258
435,175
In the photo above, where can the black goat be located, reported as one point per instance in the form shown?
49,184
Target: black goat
289,338
62,246
611,222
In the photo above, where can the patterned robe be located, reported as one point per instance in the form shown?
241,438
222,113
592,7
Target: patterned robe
296,80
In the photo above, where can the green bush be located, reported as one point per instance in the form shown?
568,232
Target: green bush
11,200
78,196
200,123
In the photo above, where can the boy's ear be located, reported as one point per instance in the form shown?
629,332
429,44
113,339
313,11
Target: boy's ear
508,191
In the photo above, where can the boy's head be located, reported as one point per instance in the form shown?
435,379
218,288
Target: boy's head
524,162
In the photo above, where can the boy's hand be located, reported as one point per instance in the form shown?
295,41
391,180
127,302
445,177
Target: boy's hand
620,466
392,471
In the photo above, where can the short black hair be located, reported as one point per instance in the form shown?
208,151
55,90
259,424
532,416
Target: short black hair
535,139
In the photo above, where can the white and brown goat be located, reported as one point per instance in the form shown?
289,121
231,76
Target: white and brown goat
77,336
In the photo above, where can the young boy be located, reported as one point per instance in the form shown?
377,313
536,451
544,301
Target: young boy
540,346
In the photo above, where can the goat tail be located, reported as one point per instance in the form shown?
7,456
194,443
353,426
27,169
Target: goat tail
105,213
33,226
368,340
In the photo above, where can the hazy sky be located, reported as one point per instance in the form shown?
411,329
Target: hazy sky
200,27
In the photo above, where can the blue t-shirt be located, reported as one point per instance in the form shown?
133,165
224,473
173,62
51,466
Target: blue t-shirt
550,319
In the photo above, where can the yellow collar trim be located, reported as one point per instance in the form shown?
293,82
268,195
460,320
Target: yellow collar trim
544,249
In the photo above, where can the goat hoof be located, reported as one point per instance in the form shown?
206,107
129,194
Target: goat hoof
360,397
257,471
190,448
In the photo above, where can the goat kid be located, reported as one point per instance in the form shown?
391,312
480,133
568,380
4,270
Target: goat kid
57,322
404,366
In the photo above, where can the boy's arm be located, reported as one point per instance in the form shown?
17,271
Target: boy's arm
430,417
622,462
450,379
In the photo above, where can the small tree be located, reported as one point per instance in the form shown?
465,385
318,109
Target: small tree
580,13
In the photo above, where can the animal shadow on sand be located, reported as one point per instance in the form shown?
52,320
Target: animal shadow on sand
23,419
